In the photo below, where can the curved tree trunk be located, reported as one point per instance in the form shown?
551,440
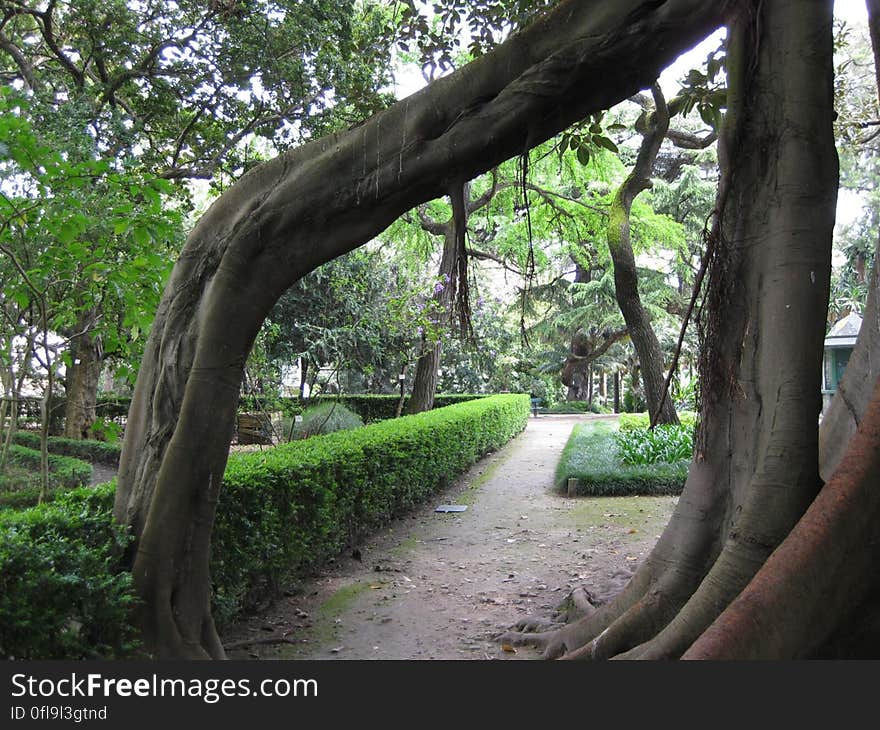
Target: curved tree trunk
428,364
626,282
310,205
585,348
757,470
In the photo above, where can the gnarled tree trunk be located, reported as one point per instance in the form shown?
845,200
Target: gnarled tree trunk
757,467
307,206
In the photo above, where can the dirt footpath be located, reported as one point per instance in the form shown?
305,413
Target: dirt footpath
442,586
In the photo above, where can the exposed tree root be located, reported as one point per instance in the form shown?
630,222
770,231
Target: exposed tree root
264,641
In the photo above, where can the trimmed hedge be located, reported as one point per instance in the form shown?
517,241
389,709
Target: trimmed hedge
99,452
64,471
286,510
62,593
591,457
282,512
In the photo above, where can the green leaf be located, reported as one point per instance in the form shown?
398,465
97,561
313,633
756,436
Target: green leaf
141,236
583,155
66,232
708,114
601,141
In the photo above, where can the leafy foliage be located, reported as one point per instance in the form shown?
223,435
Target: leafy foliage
326,418
663,443
82,237
85,449
642,421
63,594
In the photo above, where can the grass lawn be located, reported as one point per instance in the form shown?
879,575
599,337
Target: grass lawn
591,457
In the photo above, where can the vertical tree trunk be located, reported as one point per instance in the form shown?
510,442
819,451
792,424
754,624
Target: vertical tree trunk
617,391
425,380
83,376
757,469
303,377
428,364
626,284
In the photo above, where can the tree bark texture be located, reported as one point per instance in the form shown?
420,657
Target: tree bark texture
626,282
428,364
309,205
757,471
83,376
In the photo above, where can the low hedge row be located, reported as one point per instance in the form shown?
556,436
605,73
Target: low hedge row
282,512
591,457
62,592
99,452
285,510
65,473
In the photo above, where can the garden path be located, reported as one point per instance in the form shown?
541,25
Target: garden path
443,586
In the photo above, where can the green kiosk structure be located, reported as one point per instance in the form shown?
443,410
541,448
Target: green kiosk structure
839,345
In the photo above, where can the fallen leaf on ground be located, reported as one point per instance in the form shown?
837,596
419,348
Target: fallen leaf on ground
508,648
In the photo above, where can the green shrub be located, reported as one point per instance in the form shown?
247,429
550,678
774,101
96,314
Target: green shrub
14,496
630,421
288,407
591,456
666,443
62,593
326,418
89,450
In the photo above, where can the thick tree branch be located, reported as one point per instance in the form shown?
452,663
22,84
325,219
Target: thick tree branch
688,141
24,66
